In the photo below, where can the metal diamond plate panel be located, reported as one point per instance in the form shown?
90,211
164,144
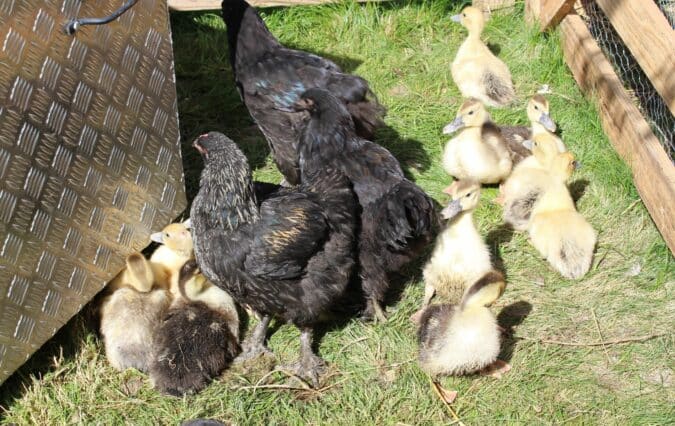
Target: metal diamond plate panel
89,157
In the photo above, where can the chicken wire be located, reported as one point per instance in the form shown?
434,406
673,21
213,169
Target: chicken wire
651,104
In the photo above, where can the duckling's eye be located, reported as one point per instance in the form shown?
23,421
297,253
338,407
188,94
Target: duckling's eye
167,235
468,195
464,15
471,112
536,107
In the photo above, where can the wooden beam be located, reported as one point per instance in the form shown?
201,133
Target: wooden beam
186,5
648,35
553,11
491,5
653,172
532,11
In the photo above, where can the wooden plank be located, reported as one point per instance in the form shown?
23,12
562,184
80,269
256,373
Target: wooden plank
532,11
553,11
491,5
648,35
653,172
186,5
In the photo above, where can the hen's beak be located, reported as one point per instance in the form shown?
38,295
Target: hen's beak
199,147
576,165
456,18
452,210
456,124
527,143
547,122
303,104
157,237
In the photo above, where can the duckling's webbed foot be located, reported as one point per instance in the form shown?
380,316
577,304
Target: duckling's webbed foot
254,345
497,369
309,366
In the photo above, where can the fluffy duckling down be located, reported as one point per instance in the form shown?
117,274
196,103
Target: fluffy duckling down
538,112
478,152
176,248
460,255
130,314
464,338
529,179
476,71
557,230
198,337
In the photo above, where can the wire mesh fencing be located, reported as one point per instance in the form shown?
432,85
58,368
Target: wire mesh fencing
651,104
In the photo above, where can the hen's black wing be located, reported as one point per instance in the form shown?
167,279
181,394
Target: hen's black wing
291,230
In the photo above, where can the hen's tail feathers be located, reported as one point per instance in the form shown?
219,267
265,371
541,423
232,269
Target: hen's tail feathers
409,217
485,291
361,103
499,91
367,116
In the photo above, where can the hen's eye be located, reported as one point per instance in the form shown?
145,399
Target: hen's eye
536,107
468,195
464,15
471,112
166,235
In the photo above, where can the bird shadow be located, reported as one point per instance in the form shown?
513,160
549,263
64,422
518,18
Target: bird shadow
511,316
495,48
494,239
578,189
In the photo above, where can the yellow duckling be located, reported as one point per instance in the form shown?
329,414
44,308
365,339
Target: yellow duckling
465,338
529,179
557,230
477,72
130,315
460,255
478,152
176,248
540,123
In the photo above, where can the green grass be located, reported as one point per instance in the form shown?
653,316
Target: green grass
404,49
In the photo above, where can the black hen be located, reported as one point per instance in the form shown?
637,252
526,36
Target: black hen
270,79
397,219
291,258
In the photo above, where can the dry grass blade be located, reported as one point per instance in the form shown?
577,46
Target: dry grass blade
447,397
607,342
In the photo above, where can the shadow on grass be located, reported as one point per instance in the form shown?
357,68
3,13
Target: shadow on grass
510,317
578,189
494,239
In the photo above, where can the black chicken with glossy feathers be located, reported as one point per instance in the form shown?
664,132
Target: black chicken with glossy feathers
397,218
292,258
270,79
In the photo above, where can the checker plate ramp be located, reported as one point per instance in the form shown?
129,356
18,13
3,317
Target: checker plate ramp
90,159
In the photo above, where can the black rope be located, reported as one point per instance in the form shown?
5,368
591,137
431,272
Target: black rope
75,24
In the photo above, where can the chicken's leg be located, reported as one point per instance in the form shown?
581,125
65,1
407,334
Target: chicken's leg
254,346
309,366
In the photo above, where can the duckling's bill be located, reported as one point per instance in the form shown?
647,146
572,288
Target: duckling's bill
452,210
456,124
547,122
